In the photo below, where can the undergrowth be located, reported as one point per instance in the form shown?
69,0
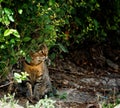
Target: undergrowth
8,101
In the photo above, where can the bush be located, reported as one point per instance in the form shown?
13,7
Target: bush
61,24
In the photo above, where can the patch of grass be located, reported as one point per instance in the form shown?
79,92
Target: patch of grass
8,101
61,95
111,105
43,103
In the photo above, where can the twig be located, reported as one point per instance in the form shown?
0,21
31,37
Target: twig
6,84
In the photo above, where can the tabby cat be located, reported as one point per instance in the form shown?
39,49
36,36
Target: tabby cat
38,83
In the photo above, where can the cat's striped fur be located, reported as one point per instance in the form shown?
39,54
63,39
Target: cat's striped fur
38,83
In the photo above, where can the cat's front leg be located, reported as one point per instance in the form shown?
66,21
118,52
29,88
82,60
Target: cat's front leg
29,91
38,91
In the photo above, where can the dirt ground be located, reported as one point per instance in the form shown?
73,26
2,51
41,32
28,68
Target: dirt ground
86,77
89,76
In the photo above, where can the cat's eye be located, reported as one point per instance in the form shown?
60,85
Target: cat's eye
42,52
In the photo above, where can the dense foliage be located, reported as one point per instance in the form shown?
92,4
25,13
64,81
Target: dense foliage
24,25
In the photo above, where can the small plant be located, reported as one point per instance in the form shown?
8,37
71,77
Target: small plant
8,100
108,105
43,103
20,77
111,105
63,96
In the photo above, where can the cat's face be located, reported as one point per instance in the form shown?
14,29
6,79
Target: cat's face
39,56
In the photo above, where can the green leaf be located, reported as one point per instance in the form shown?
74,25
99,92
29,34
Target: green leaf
96,24
16,75
16,34
7,32
51,2
12,41
24,75
28,59
63,96
1,1
0,19
11,31
114,27
42,1
22,52
63,48
26,39
5,20
8,11
11,18
19,80
2,46
20,11
2,39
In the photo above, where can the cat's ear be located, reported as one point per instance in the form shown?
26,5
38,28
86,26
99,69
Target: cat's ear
43,47
41,51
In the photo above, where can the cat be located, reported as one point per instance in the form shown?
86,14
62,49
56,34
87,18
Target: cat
38,83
